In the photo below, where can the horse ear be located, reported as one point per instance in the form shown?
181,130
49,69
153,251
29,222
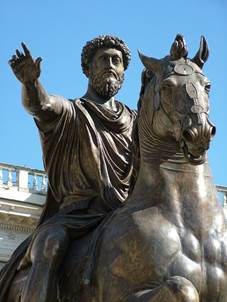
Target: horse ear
151,64
203,53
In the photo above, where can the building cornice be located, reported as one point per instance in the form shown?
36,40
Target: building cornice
16,228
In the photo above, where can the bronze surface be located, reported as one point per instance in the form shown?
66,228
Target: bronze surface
168,242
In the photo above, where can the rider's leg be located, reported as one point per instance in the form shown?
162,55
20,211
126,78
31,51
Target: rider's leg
175,289
47,252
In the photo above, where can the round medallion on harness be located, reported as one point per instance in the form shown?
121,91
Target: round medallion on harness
183,69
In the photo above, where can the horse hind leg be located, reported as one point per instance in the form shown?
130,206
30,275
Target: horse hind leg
175,289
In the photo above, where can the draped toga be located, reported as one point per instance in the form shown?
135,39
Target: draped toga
89,154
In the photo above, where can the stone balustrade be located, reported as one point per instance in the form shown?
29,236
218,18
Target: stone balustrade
22,194
222,195
34,181
23,179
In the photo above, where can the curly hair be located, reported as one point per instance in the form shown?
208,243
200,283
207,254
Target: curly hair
103,41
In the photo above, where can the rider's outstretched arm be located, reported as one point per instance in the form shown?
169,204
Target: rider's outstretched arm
34,97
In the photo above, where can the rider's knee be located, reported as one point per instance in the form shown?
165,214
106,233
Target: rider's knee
53,246
50,245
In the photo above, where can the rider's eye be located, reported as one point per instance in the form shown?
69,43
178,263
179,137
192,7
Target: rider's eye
116,60
207,87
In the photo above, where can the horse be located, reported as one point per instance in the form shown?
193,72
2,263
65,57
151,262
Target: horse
168,243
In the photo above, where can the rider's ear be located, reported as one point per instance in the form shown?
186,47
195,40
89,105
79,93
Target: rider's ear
87,71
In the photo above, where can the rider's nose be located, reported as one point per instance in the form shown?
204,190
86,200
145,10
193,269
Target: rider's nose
109,63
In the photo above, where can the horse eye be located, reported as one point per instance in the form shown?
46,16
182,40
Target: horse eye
207,87
149,74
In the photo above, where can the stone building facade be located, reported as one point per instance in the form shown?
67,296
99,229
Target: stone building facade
22,196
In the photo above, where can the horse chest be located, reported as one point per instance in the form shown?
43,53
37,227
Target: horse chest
171,252
204,263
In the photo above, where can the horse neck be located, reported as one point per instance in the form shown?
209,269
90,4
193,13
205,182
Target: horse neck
184,193
173,179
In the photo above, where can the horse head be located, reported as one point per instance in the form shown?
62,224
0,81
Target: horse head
175,94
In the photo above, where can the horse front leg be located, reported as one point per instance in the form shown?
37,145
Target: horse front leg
175,289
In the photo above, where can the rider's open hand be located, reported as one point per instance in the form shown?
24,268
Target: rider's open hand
25,68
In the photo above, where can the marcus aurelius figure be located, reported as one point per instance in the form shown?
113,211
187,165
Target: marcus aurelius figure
88,154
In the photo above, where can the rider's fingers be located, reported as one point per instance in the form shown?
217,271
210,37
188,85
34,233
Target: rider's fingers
23,263
21,266
38,61
26,50
12,61
14,57
19,54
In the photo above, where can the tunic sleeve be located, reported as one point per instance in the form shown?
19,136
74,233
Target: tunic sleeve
46,127
56,139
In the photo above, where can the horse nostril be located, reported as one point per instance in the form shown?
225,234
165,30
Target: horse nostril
188,136
213,131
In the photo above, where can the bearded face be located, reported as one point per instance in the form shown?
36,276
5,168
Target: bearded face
106,73
106,83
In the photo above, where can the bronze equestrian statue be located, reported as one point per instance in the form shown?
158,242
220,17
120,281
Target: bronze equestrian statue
168,242
89,155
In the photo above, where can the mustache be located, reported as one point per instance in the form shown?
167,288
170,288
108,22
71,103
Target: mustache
110,71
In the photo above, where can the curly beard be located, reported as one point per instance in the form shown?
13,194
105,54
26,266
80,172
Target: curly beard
106,86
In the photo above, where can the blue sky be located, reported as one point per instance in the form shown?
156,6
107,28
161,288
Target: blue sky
57,31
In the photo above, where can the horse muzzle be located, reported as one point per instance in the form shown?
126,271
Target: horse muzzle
195,141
